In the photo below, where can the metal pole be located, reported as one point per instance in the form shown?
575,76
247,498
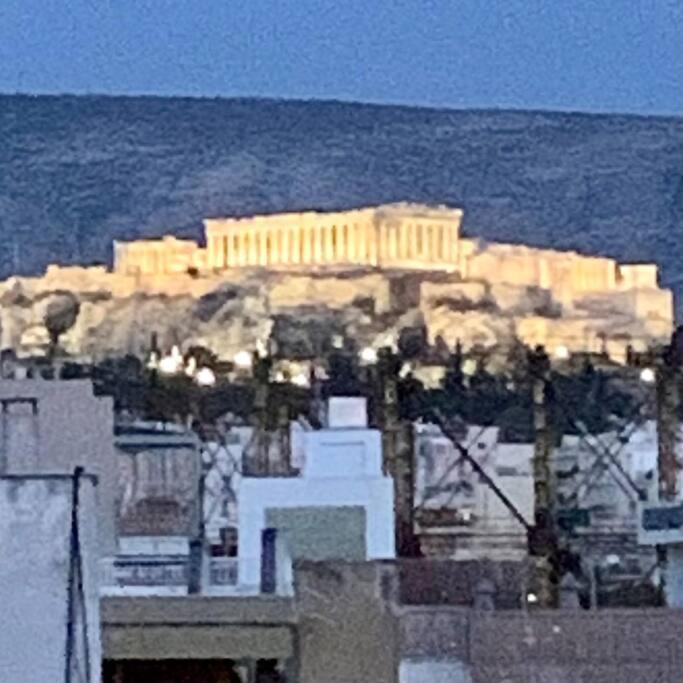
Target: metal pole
398,447
668,377
196,559
544,543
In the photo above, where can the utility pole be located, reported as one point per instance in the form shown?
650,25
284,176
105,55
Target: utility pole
668,388
399,457
197,544
543,539
668,400
262,367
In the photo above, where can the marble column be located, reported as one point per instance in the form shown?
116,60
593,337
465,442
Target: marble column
285,256
393,242
295,243
337,243
360,245
411,250
402,241
273,251
238,255
326,243
430,242
306,246
316,232
352,243
453,238
253,248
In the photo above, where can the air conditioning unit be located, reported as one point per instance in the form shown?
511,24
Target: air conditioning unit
660,523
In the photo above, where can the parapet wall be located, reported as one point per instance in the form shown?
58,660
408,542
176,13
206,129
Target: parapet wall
562,646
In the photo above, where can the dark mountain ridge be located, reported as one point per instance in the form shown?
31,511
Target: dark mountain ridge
77,172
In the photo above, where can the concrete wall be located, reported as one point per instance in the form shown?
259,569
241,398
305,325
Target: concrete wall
71,427
35,527
348,632
319,534
642,646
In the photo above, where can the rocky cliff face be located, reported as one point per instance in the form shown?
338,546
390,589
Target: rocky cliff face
113,316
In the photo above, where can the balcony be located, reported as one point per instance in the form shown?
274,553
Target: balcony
223,571
165,575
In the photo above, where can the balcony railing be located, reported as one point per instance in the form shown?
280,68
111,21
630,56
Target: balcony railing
145,571
223,571
162,574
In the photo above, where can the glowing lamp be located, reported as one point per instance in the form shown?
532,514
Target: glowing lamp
168,365
647,375
243,360
300,380
205,377
562,352
368,355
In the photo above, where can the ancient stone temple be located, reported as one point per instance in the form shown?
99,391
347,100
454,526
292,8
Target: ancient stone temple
390,236
398,235
405,237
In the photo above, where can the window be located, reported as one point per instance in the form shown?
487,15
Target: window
19,427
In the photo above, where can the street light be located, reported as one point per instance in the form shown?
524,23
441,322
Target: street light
205,377
300,380
368,356
561,352
172,363
647,375
243,360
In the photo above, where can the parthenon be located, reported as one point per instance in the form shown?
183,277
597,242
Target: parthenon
396,235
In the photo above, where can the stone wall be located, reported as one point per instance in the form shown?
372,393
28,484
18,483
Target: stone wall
157,257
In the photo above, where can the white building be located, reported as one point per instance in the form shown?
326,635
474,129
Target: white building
459,515
601,481
340,507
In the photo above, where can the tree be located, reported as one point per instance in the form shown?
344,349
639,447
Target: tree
60,316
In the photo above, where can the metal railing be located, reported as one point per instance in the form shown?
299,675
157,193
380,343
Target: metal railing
162,572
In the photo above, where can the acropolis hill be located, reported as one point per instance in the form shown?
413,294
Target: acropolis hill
366,273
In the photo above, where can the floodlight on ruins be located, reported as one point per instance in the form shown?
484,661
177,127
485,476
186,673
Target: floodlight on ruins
243,360
301,380
368,356
262,348
469,367
172,363
191,367
647,375
405,370
561,352
205,377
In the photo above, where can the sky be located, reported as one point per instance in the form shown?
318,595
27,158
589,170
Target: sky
572,55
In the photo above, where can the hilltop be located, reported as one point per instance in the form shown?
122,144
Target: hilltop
78,172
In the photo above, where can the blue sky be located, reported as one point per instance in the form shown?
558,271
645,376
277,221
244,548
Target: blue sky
585,55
